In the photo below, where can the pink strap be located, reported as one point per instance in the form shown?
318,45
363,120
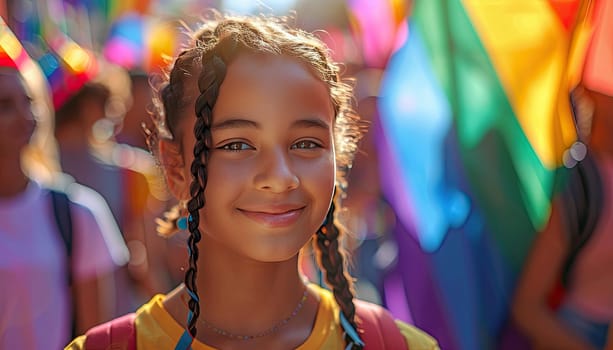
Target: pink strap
117,334
379,328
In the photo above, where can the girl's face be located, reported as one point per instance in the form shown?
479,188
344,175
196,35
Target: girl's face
16,120
272,167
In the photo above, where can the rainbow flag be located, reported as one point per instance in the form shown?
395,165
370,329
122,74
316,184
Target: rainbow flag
475,121
141,42
110,10
378,27
125,45
506,68
12,53
67,67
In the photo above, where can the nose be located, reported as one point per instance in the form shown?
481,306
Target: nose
276,173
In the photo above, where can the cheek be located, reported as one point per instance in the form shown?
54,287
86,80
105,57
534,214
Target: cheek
20,128
319,176
224,178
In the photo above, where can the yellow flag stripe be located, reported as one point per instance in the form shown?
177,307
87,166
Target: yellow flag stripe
529,48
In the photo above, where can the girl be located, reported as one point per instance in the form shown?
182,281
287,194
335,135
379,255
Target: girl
254,132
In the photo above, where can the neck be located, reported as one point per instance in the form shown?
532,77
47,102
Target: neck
243,296
600,141
237,288
248,298
602,145
14,181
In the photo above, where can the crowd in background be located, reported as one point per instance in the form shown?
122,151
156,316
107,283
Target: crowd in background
483,118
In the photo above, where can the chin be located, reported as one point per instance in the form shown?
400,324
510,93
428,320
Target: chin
273,253
277,259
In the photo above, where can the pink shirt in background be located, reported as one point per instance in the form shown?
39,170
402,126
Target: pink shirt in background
34,298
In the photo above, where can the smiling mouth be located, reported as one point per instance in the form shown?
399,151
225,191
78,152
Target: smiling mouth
274,219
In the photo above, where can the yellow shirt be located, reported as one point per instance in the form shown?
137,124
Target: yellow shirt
156,329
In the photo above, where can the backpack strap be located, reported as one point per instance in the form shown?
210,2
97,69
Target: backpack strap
63,220
117,334
379,328
583,199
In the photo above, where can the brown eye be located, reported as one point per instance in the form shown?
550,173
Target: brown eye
305,144
236,146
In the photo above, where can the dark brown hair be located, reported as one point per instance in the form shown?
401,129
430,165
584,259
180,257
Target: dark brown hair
202,64
69,111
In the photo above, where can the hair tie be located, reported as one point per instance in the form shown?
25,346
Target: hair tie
350,330
182,223
192,294
185,342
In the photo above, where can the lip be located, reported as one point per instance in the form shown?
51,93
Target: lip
275,217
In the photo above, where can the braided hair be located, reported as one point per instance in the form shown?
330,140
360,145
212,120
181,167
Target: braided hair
203,63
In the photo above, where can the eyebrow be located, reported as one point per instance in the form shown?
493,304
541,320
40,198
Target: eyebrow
234,124
311,123
245,123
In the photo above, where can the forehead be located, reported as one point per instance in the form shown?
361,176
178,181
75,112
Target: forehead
272,81
261,65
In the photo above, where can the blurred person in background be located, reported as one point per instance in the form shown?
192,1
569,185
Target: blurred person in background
149,195
137,113
564,298
54,283
85,130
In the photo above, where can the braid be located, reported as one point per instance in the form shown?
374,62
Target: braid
332,260
213,73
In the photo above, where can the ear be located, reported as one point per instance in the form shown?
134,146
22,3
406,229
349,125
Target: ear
177,178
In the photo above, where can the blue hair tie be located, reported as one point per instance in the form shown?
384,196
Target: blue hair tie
193,295
190,315
185,342
182,223
350,330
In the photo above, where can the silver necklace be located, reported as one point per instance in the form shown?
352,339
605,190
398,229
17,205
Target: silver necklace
269,331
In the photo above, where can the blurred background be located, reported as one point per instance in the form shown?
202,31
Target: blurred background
470,118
